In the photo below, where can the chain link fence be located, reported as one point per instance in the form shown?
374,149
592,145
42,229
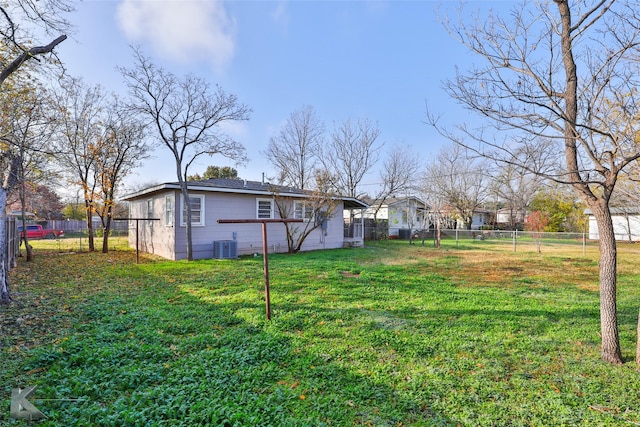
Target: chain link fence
525,240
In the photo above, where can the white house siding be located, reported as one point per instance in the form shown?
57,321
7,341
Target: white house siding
160,239
154,237
625,227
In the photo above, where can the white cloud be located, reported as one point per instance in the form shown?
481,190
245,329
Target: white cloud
280,14
186,31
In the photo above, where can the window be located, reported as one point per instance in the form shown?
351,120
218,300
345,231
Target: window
302,211
169,209
265,209
197,210
150,212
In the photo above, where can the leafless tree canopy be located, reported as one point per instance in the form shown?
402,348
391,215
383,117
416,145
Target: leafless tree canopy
398,176
122,147
352,151
20,20
460,180
81,110
185,113
534,60
294,151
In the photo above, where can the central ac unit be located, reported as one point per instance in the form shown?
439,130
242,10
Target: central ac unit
225,249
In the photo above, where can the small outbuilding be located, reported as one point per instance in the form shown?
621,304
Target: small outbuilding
626,223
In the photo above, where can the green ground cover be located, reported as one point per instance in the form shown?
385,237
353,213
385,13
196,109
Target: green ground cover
386,335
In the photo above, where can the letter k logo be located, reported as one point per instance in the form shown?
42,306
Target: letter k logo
21,408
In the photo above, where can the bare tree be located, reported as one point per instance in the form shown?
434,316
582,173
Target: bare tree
351,153
515,187
18,41
294,151
460,180
27,131
400,170
566,72
80,126
188,118
121,147
315,210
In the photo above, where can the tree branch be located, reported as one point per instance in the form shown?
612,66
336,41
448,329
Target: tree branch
28,54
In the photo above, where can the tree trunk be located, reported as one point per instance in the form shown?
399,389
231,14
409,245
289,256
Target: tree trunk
187,220
107,231
29,250
610,351
5,294
25,239
89,213
638,345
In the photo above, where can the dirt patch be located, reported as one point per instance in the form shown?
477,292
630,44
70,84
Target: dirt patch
349,274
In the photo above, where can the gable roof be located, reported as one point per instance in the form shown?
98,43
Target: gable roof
239,186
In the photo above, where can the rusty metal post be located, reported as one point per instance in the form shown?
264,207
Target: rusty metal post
265,250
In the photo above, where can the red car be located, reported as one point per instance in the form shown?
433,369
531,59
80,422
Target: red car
36,231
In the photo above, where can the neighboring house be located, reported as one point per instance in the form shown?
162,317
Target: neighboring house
626,224
479,219
235,199
451,219
401,213
509,217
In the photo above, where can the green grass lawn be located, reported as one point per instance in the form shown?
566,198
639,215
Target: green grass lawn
386,335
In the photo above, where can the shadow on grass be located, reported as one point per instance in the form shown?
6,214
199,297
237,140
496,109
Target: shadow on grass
168,358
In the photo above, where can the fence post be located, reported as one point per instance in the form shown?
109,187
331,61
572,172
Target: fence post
515,239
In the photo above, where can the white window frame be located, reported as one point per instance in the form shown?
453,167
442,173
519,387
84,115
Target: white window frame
149,208
258,213
169,210
183,211
301,211
149,212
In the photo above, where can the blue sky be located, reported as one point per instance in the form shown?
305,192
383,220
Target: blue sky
380,60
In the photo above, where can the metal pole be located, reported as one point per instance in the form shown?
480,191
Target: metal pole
265,250
137,244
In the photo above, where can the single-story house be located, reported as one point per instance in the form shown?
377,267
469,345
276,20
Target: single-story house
452,220
626,224
401,213
235,199
510,217
479,219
